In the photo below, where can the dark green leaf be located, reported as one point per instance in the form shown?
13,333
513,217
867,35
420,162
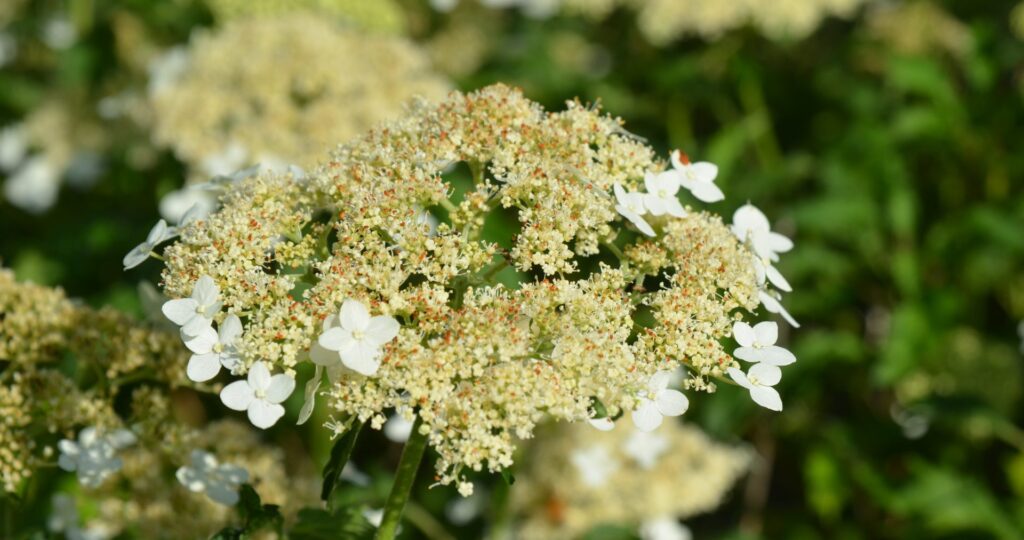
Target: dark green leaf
339,457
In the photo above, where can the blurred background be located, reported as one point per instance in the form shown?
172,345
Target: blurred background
886,138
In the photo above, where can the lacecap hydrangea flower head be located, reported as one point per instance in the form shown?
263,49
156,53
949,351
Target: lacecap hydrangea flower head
478,266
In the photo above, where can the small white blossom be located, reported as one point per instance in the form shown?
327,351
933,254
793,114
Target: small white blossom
664,528
631,207
220,481
195,313
661,198
159,234
213,349
34,186
94,455
359,338
751,226
594,465
759,380
757,344
698,178
645,448
260,395
658,401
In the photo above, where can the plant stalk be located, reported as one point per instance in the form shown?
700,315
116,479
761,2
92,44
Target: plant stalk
405,476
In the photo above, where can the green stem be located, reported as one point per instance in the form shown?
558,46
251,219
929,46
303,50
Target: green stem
430,527
405,476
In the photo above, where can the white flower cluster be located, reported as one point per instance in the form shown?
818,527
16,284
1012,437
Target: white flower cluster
94,455
220,481
661,199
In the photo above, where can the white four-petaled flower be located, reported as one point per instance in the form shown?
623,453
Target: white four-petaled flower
658,401
661,198
698,178
159,234
94,455
358,338
631,206
759,380
260,395
219,481
213,349
195,313
751,226
757,344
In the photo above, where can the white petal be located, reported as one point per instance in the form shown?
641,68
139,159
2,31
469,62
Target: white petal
704,171
675,208
237,395
203,367
707,192
765,374
382,329
158,233
743,334
201,342
264,414
740,378
229,330
67,463
620,195
777,279
196,324
223,494
323,357
353,315
677,160
646,416
336,339
636,220
771,304
672,402
136,256
189,478
281,386
654,204
180,311
779,243
233,473
749,218
362,358
397,429
310,396
767,332
230,360
205,290
602,424
777,356
659,381
766,397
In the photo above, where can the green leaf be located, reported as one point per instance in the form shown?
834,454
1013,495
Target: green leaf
507,475
340,454
256,515
316,524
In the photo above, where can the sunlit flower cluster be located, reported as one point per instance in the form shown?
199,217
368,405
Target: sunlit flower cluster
572,317
237,96
576,478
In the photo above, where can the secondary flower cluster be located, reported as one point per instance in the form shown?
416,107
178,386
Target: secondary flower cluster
231,100
524,294
576,478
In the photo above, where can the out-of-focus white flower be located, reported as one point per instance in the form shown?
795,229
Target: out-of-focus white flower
190,200
94,455
260,395
195,313
59,33
159,234
227,161
645,448
64,519
220,481
664,528
213,349
358,338
631,207
462,510
658,401
166,69
13,146
594,465
757,344
398,428
660,198
33,187
698,178
602,424
751,226
759,380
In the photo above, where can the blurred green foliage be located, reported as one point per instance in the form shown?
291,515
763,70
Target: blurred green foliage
899,174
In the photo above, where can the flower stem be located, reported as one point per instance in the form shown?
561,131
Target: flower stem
405,476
